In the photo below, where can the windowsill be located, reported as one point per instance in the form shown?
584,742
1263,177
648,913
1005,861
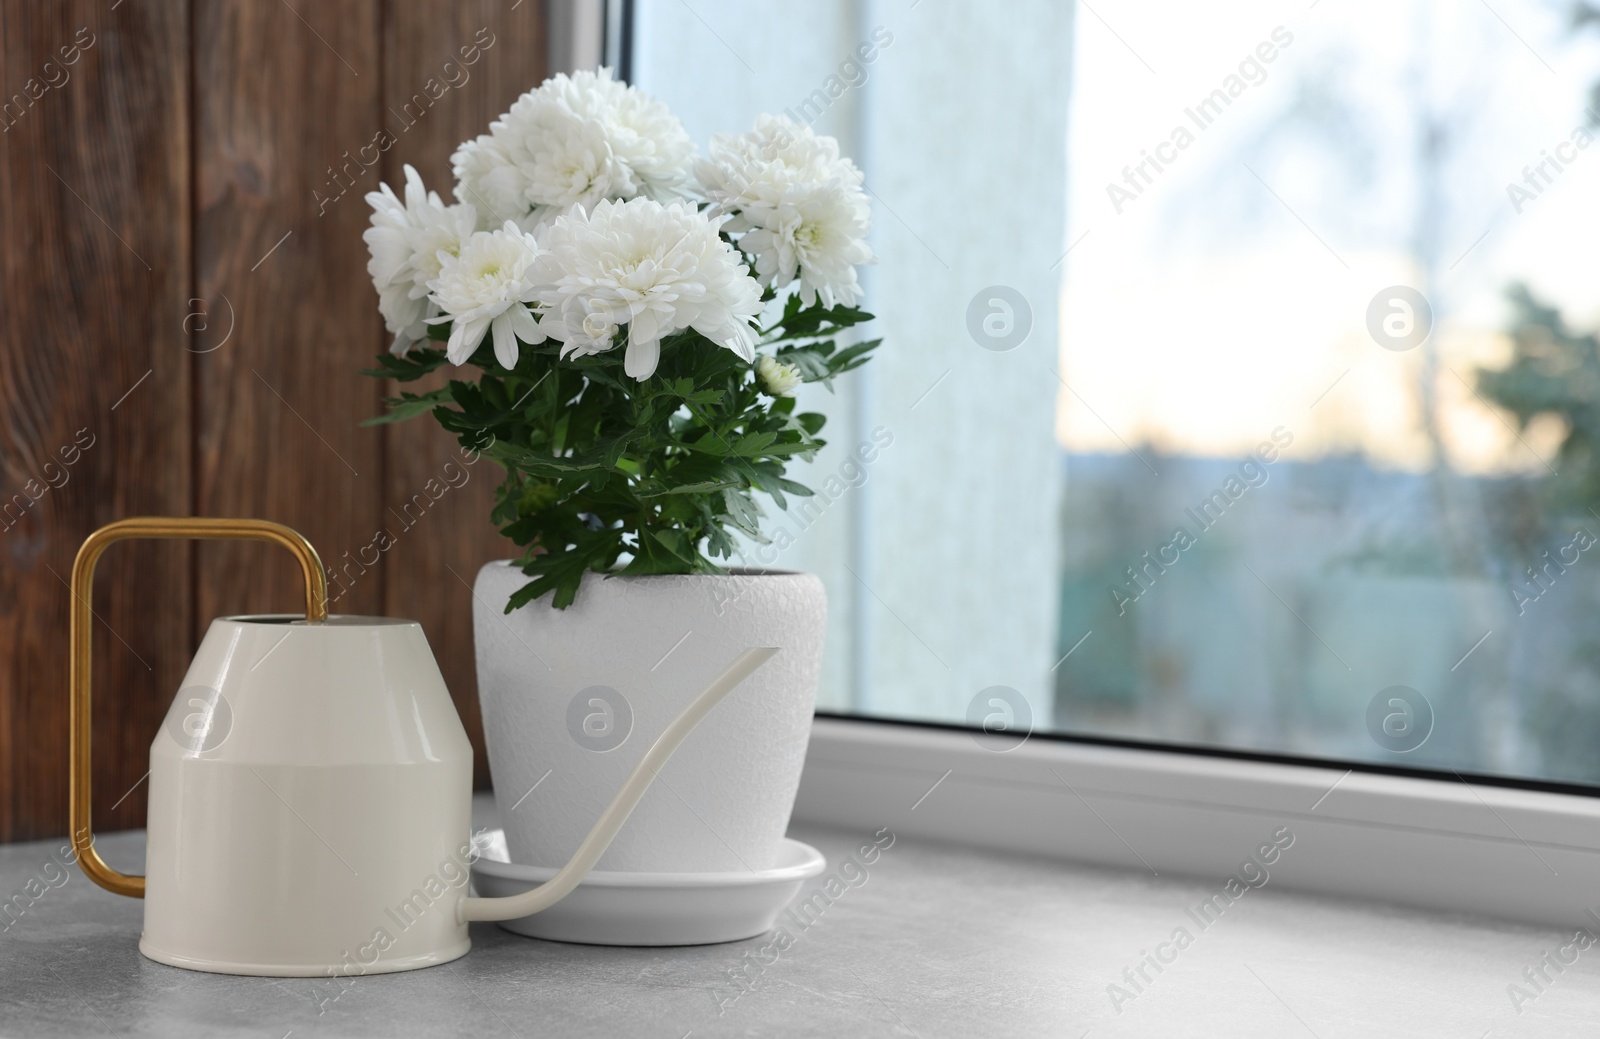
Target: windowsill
936,941
1494,851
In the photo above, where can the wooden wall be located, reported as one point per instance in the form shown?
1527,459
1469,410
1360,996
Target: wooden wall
186,307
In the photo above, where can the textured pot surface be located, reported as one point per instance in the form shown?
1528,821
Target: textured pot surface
573,698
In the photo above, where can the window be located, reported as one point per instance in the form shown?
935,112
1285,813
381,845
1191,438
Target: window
1239,379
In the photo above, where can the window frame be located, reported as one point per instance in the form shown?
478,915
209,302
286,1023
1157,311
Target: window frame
1489,845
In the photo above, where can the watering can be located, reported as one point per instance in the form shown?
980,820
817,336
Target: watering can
311,786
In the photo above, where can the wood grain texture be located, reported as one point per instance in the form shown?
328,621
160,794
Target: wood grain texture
94,386
187,293
283,95
447,74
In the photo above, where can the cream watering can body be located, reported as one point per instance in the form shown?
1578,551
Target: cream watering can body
310,789
310,800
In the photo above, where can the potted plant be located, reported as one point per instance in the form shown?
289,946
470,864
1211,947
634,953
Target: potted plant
635,321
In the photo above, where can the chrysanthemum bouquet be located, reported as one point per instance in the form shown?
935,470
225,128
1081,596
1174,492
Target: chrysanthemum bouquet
639,318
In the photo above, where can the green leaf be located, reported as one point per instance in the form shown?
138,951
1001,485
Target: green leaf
409,405
754,445
615,450
852,357
744,514
801,322
409,367
703,487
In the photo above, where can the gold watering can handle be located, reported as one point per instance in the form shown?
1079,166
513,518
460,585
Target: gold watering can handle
154,527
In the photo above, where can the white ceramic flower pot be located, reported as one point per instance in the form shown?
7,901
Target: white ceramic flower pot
573,698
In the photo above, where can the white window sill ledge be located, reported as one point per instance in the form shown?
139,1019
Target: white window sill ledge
1519,855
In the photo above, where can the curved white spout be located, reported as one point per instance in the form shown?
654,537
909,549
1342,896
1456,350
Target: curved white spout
610,822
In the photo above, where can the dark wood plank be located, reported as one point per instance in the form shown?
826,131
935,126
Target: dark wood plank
94,248
218,379
286,96
448,71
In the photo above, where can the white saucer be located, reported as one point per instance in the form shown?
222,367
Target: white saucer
650,908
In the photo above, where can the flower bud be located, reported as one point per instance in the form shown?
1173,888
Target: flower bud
777,378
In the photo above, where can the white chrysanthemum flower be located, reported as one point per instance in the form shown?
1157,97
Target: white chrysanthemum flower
818,237
777,378
758,166
576,140
487,178
645,136
655,268
406,241
486,288
796,205
574,166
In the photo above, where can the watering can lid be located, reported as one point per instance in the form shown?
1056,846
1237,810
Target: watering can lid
335,620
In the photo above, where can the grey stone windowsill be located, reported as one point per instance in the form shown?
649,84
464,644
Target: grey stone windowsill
938,941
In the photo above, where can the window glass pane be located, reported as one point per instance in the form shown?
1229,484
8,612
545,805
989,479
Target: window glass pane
1239,386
